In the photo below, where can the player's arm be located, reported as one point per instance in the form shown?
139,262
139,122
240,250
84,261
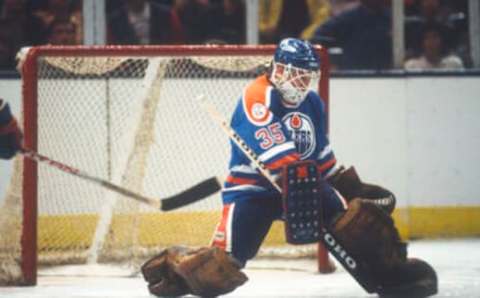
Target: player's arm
10,133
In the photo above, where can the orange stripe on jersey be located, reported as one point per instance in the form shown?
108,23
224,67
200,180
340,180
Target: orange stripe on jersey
256,101
220,238
238,180
321,168
284,161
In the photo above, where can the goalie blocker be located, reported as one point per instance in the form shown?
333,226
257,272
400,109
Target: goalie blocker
363,238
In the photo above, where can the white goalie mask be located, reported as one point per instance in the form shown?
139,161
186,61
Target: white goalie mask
295,70
293,83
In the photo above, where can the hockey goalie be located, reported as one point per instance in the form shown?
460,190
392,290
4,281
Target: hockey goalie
289,173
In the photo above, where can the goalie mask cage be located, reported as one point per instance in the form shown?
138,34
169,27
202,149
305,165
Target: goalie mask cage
126,114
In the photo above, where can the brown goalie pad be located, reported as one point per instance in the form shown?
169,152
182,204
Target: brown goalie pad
210,272
415,279
178,271
159,273
369,235
366,231
348,183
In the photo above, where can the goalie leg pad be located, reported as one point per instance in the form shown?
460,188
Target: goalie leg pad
415,278
370,236
369,233
206,272
159,273
210,272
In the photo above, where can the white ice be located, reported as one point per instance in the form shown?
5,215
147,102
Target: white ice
457,263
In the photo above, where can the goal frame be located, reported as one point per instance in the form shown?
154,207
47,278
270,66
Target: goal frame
29,72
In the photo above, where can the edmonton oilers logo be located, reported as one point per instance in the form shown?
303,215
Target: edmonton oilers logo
302,132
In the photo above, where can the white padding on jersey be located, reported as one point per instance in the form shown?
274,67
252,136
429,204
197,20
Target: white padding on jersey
332,171
244,169
276,150
244,187
327,150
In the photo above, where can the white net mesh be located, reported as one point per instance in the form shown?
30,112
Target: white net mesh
135,122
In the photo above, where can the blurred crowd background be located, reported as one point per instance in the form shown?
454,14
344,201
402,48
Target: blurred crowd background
359,31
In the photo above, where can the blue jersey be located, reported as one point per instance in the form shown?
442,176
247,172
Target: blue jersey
278,135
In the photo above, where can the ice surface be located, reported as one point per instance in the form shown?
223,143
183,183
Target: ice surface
457,263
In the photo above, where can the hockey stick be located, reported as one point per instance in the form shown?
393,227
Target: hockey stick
232,134
188,196
356,269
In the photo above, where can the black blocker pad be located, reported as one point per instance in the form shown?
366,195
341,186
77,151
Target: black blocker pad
302,203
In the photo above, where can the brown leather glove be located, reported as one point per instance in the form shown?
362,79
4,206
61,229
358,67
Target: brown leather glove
348,183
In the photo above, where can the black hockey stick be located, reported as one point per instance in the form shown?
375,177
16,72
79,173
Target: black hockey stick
188,196
355,267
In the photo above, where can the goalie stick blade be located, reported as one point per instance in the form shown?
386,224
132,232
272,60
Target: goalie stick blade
357,268
191,195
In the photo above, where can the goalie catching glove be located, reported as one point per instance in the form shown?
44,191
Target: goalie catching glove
205,272
348,183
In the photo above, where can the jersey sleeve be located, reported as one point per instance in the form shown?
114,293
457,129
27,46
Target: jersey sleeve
5,113
262,130
326,160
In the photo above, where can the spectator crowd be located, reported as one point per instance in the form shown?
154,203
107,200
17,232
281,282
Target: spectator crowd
436,31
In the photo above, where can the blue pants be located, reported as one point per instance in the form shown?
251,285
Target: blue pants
245,224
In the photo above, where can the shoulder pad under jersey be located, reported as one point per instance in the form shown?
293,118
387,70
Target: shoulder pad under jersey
256,102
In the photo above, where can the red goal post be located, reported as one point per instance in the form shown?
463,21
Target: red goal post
40,86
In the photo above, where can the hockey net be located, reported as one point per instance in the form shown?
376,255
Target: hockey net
128,115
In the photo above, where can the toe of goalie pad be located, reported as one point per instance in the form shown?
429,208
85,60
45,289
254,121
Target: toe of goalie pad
210,272
302,203
415,278
159,273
